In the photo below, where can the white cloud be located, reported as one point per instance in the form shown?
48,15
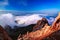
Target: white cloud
51,20
27,20
9,19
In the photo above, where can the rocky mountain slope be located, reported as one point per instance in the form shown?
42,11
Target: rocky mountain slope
40,31
44,33
3,34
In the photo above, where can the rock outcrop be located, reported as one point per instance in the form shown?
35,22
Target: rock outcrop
42,33
3,34
40,24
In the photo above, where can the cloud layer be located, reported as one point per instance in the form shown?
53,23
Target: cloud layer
7,19
28,19
10,19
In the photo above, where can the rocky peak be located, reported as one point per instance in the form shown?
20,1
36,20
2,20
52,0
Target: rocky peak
40,24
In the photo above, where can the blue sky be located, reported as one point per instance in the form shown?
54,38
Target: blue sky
29,5
43,8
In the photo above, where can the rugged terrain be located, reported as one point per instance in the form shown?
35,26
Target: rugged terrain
40,31
3,34
45,33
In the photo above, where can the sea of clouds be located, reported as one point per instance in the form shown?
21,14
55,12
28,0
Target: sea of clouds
21,21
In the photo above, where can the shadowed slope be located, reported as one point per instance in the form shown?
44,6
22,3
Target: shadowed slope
3,34
40,24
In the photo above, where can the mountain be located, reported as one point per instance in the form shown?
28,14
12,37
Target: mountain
40,24
3,34
14,33
44,32
23,30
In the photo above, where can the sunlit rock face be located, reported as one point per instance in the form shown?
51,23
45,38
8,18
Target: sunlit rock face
56,26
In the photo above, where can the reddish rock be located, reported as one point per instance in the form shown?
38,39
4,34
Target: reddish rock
3,34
